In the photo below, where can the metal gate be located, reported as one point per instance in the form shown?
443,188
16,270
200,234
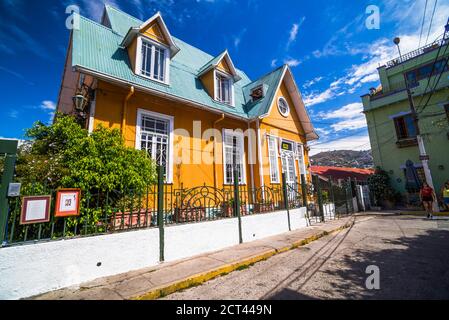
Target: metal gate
8,156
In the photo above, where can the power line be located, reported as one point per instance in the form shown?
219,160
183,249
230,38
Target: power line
431,20
422,25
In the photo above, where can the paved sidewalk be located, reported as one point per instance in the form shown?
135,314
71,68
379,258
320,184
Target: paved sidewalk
159,281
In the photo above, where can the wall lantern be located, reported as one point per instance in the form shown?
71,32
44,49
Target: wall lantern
80,102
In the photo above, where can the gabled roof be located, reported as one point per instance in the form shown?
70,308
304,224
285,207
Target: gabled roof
134,31
216,61
97,50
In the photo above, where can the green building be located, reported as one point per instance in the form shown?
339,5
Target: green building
392,131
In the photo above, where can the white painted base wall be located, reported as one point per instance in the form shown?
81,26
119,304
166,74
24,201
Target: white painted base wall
38,268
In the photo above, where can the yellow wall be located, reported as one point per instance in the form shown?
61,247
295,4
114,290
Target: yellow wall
109,103
132,54
223,66
288,128
209,83
154,32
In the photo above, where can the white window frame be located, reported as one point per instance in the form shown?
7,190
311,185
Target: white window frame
286,114
231,81
290,154
276,141
240,136
299,156
171,120
138,64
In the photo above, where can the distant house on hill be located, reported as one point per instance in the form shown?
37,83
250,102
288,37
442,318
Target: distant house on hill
340,174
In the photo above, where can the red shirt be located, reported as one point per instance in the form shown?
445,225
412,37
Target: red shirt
427,192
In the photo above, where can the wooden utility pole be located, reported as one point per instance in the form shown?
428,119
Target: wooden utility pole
422,149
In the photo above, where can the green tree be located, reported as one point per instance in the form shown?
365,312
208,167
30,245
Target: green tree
65,155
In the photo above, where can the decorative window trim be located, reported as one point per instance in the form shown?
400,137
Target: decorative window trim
224,74
276,147
241,137
171,120
284,114
302,166
138,64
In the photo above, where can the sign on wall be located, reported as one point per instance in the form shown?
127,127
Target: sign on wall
68,203
35,210
286,146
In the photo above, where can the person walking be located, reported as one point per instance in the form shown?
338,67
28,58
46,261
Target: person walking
445,193
427,196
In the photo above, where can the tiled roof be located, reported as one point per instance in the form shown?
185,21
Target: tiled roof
96,48
343,173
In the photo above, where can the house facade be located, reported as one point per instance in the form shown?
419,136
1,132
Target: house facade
393,132
191,111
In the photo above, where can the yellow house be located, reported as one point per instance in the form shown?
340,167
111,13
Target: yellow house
189,110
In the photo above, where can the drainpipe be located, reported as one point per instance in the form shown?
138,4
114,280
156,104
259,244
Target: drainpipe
125,110
215,147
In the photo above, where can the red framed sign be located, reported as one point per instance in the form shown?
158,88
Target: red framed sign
35,210
67,203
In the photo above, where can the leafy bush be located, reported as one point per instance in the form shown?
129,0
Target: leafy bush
379,183
65,155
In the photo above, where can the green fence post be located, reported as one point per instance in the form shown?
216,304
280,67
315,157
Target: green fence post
160,210
285,192
320,197
236,190
304,195
332,197
346,197
351,195
8,147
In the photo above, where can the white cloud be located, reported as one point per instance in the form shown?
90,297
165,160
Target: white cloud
317,98
358,122
292,62
274,63
293,33
356,143
347,112
312,82
13,114
48,105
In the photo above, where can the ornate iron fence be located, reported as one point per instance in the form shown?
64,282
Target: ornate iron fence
120,211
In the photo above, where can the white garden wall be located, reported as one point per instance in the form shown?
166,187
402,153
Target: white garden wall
37,268
192,239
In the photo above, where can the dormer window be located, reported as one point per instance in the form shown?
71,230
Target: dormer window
153,61
224,89
257,93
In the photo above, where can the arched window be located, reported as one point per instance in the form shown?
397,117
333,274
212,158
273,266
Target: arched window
283,107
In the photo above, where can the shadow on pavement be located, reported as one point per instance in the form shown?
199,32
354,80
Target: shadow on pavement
415,268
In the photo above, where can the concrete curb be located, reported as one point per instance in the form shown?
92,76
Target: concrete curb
203,277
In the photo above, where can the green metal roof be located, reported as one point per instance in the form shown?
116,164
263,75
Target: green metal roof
96,48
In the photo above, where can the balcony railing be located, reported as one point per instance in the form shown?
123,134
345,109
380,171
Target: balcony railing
413,54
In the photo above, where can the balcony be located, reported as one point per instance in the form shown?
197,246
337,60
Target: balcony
416,53
407,142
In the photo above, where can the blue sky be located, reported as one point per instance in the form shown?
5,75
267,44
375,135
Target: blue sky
332,53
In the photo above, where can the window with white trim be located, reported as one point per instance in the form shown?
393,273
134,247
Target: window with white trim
301,160
155,139
229,151
283,107
153,61
223,88
273,156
